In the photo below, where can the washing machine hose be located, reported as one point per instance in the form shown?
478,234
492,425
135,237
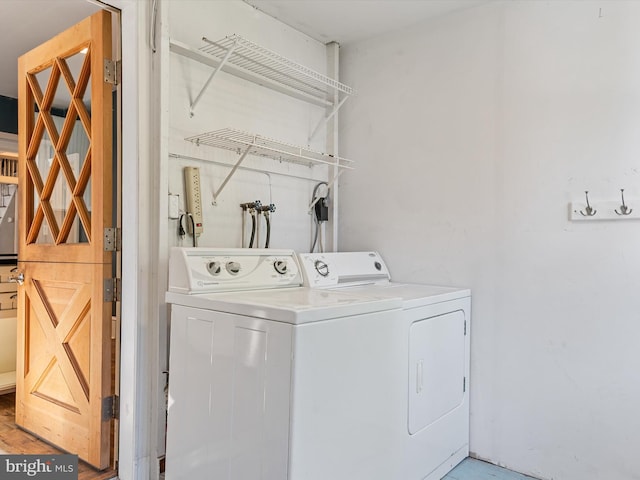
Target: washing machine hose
253,228
266,218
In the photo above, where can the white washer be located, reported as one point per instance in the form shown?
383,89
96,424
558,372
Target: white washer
271,380
432,418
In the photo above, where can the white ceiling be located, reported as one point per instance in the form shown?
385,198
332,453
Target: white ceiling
347,21
24,24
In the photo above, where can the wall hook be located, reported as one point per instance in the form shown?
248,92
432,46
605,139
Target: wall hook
624,209
590,212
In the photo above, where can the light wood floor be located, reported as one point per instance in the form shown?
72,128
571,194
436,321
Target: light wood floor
16,441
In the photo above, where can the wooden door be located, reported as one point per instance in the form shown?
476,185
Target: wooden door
64,379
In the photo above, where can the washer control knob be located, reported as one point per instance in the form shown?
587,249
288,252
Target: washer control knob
280,266
378,266
233,267
214,268
321,267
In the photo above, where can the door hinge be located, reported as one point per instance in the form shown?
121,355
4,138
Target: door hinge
110,407
465,327
112,289
112,239
464,384
112,70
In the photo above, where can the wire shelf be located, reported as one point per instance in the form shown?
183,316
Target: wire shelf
241,142
263,62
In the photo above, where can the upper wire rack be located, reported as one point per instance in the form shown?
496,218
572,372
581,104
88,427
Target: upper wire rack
264,62
237,141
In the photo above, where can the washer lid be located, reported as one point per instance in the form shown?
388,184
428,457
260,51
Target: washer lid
294,305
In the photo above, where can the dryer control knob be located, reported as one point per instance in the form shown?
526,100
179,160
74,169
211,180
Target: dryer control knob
321,267
214,268
233,267
280,266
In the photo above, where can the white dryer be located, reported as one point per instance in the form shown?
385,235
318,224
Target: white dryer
432,417
269,380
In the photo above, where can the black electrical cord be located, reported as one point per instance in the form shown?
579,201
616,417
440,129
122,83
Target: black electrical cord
181,231
193,229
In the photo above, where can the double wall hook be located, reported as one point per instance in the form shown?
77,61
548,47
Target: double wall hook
590,212
624,209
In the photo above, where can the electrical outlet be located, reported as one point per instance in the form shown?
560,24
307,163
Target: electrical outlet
174,206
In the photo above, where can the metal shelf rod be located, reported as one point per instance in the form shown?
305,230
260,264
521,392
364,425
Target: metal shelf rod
235,140
245,168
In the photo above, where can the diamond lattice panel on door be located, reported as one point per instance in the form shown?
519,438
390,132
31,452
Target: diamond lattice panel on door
60,177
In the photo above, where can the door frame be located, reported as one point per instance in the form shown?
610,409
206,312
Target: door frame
140,332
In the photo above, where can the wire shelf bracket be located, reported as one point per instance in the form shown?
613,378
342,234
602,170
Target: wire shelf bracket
324,120
243,155
228,53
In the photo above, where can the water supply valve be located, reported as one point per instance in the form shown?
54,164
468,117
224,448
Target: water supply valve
257,205
267,208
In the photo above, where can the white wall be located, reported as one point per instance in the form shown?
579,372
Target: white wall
230,102
473,133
